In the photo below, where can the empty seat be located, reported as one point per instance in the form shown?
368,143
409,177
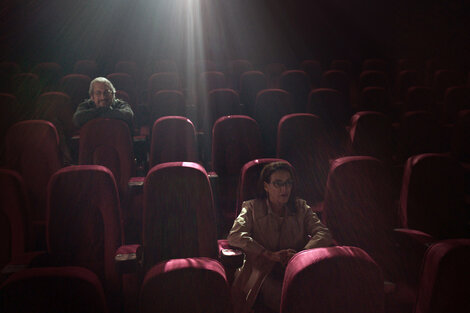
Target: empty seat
108,142
56,107
15,226
444,79
235,69
251,83
273,72
419,133
460,142
456,98
342,65
371,134
166,103
333,280
297,84
271,106
338,80
191,285
374,99
313,70
179,217
432,196
126,82
76,86
53,290
10,113
7,71
419,98
32,149
222,102
49,74
128,67
406,79
162,81
173,139
444,278
303,141
26,87
373,79
85,67
359,210
236,140
84,223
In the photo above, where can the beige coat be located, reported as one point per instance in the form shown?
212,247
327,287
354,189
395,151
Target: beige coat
258,228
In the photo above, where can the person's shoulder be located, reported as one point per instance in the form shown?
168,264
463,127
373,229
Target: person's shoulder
120,103
87,103
301,205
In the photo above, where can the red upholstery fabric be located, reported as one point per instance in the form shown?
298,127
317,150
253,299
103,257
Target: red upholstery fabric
333,280
371,134
85,67
235,69
444,278
456,98
126,82
273,72
56,107
53,290
419,98
26,87
330,105
297,84
461,137
374,99
128,67
10,113
406,79
162,81
271,106
236,140
84,221
359,209
108,142
14,210
249,175
419,133
165,103
338,80
222,102
432,195
444,79
313,69
76,86
49,74
251,83
303,141
192,285
179,216
173,139
7,71
32,149
373,79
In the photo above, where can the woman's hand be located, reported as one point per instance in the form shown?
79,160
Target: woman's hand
281,256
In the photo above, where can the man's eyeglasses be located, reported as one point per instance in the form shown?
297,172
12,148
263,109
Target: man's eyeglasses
105,93
279,183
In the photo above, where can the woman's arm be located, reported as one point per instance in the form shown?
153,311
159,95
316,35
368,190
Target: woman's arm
317,232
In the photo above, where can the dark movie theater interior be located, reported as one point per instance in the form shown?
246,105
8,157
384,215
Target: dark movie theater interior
234,156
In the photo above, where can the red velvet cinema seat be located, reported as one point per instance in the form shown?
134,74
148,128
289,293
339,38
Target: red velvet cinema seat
236,68
173,139
432,198
85,67
49,74
179,218
251,83
32,149
84,225
221,102
14,224
236,140
444,278
303,141
297,84
166,103
359,210
332,280
53,290
191,285
271,106
125,82
76,86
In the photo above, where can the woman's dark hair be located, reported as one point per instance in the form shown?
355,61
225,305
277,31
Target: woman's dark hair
265,177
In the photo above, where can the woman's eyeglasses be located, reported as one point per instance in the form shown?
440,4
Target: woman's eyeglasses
279,183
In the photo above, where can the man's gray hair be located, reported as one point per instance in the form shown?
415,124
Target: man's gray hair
103,80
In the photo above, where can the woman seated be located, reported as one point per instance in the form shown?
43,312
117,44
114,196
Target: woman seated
270,230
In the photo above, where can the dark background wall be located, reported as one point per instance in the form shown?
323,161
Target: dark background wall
261,30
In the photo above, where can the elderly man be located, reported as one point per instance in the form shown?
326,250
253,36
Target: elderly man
102,103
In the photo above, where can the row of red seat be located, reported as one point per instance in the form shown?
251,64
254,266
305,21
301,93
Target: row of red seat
84,218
